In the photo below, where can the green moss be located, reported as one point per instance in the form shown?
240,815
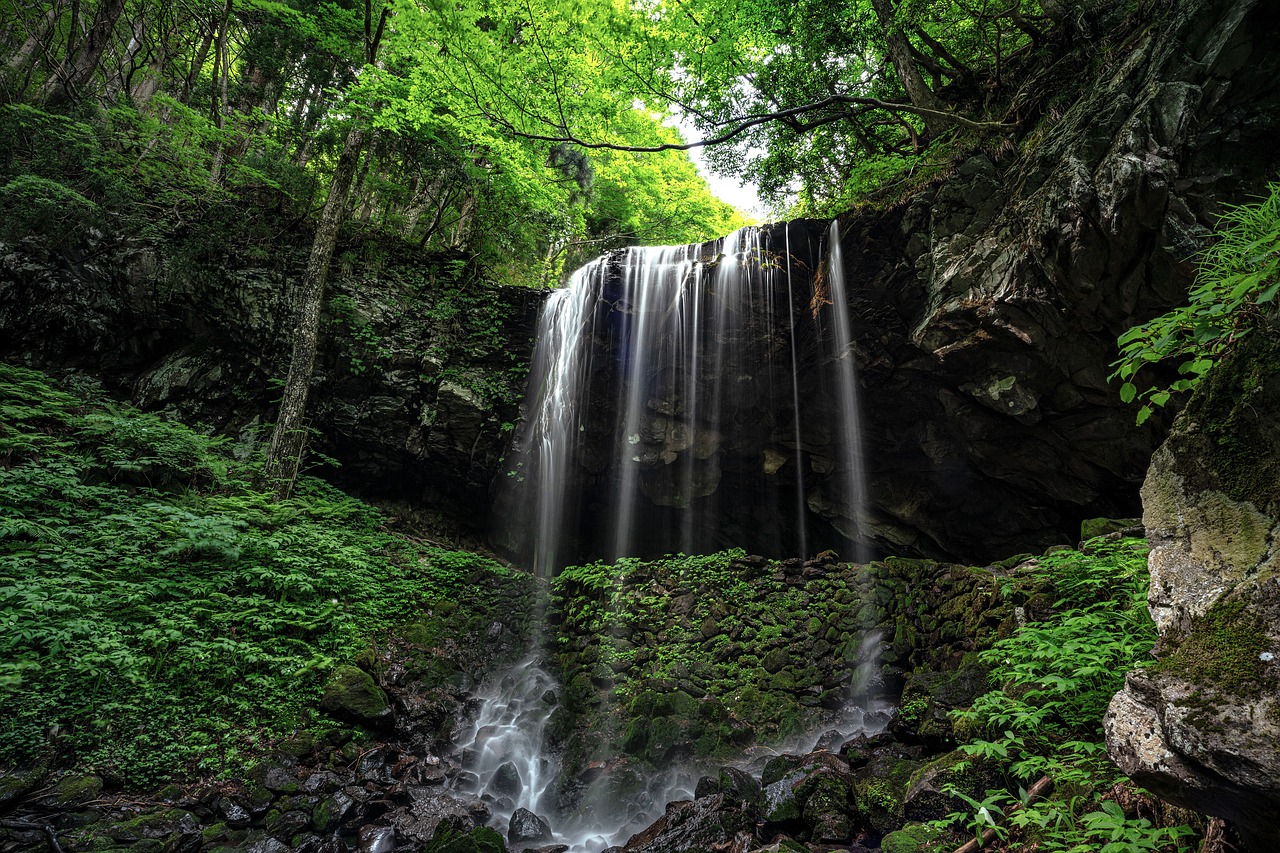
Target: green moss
912,838
1222,650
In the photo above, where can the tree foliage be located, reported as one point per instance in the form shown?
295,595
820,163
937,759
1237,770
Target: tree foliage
152,115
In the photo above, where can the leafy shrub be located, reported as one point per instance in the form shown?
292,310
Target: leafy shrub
1056,679
1235,288
157,613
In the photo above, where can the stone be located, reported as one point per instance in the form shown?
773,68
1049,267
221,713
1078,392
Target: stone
506,780
352,695
430,811
708,823
377,839
1201,728
72,790
526,829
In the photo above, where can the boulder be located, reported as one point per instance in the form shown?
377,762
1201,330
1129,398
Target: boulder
708,823
1201,728
352,695
526,829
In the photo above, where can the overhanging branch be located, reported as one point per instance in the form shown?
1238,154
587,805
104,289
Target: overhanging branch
740,126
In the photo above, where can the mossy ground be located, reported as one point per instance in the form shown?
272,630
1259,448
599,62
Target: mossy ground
160,616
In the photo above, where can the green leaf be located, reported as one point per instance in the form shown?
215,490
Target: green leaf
1127,392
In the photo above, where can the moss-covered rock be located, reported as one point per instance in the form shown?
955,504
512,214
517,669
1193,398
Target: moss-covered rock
1202,727
352,695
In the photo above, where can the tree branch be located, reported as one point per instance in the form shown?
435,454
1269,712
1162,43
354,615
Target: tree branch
741,126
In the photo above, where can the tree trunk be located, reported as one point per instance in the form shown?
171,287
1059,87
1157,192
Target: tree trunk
197,64
289,435
904,63
80,67
21,58
221,69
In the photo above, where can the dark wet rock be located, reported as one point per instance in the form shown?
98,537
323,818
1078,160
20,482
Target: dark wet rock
928,794
329,813
377,839
274,777
352,694
172,824
735,784
268,845
829,741
432,810
506,780
233,813
288,823
526,829
324,782
816,796
16,783
706,823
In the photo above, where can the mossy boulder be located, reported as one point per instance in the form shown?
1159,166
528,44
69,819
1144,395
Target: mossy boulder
927,795
72,790
912,838
352,694
1201,728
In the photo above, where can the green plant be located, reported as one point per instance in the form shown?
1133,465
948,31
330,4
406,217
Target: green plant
1056,679
162,615
1237,283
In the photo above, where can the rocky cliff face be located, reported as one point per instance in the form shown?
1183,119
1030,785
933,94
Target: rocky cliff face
989,304
416,377
1202,726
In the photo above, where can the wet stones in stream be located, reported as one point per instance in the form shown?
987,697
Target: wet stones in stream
527,830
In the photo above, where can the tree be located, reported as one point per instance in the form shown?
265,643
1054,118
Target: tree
288,437
782,88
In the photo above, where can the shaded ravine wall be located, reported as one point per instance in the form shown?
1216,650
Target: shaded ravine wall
985,308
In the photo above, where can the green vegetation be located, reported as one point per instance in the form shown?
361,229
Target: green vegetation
1235,291
1223,649
160,616
1056,678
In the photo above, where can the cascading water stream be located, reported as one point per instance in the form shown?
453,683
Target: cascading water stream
667,385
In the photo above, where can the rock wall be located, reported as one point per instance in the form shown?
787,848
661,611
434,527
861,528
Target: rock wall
989,304
699,659
420,367
1201,727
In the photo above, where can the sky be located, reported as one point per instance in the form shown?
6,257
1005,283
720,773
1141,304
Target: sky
741,195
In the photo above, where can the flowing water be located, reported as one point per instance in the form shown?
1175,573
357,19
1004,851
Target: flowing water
667,384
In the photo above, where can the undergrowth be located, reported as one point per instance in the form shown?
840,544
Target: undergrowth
1056,678
158,614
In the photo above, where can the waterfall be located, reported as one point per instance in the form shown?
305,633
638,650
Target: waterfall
690,399
684,399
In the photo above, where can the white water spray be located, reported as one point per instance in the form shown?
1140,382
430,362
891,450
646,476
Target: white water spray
690,348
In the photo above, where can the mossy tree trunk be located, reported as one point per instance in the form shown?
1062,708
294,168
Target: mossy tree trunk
289,435
904,63
288,439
